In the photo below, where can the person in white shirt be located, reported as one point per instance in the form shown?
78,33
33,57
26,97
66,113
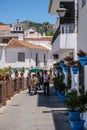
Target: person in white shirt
46,81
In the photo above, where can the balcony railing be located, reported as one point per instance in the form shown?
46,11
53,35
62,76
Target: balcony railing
63,29
70,28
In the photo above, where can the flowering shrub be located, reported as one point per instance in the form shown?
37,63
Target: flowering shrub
74,63
68,58
81,53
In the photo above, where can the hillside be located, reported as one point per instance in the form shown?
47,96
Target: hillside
39,26
29,24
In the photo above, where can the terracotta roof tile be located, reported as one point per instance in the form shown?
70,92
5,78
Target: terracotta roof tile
39,39
14,43
5,27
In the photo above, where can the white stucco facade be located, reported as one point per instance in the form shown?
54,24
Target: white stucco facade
12,57
82,39
82,31
66,42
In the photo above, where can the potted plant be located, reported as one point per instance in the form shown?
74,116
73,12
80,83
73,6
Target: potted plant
68,58
76,104
72,104
60,87
74,65
61,63
22,70
59,69
66,68
16,72
82,57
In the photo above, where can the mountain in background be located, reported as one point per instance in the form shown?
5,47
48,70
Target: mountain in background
30,24
39,26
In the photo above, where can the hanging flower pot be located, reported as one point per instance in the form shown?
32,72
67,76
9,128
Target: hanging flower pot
82,57
59,70
66,69
83,60
75,70
61,63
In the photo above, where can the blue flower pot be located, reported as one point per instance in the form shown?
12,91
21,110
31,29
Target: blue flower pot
65,69
58,93
75,70
61,64
83,60
77,125
59,70
74,115
63,98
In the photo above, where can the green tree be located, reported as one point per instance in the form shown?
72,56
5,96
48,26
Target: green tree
46,26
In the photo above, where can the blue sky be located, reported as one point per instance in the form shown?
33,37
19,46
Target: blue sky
33,10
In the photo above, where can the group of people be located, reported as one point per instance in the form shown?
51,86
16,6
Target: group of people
39,81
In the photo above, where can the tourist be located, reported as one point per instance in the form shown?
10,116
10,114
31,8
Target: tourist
46,81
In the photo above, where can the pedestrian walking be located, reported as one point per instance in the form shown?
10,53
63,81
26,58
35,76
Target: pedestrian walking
46,81
39,80
29,82
34,83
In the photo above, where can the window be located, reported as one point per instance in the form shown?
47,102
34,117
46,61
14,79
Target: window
44,59
5,40
55,56
20,29
83,3
16,28
36,59
21,56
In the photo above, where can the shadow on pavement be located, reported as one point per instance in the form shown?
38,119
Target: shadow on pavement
61,120
60,115
49,101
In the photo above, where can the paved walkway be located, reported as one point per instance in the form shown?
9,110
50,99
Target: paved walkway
34,112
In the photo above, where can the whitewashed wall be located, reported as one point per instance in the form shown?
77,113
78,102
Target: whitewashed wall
82,39
82,28
30,54
64,44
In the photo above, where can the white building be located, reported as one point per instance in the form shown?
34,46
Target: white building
82,42
65,38
37,56
20,53
70,37
6,35
31,33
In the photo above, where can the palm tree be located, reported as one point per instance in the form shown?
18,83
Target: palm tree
46,26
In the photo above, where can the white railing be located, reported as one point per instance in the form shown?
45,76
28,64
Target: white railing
67,28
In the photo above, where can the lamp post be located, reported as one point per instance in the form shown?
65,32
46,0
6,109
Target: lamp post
61,11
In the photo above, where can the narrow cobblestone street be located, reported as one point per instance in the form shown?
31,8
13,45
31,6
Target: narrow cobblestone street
34,112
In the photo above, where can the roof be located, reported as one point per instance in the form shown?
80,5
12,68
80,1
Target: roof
50,4
40,39
5,27
15,43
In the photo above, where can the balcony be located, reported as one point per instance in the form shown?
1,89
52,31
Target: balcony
64,38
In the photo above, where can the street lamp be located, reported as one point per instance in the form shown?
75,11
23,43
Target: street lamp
61,11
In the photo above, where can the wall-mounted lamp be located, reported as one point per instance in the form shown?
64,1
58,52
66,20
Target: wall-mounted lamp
61,11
